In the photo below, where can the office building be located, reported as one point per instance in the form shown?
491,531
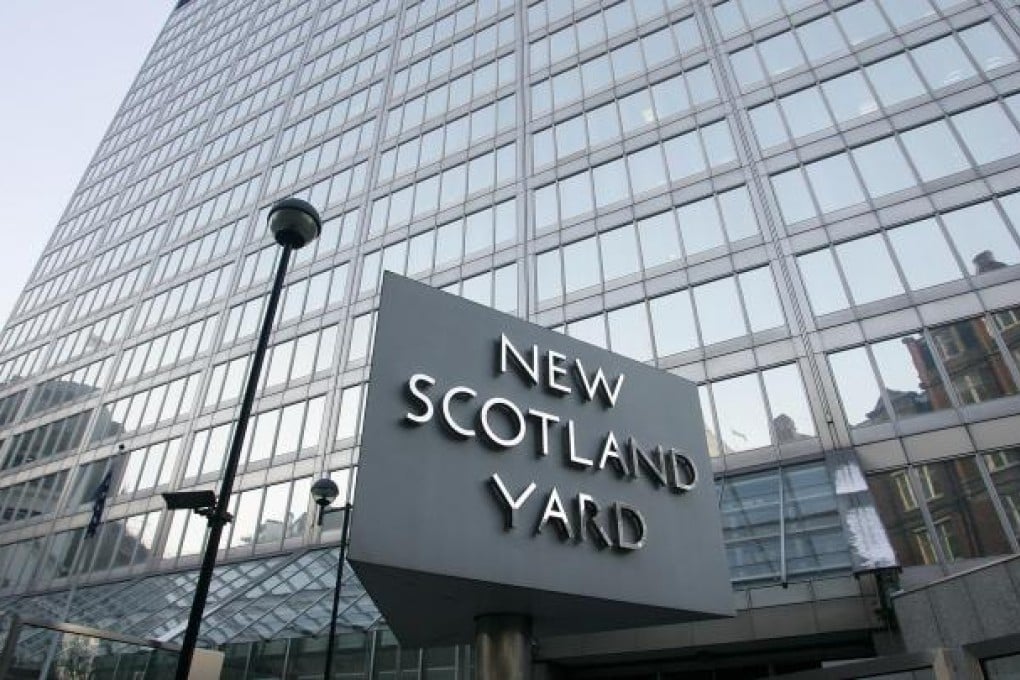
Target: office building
811,208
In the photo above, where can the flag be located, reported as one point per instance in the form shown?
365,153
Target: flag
98,503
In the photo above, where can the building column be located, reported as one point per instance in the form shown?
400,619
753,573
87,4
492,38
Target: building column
503,647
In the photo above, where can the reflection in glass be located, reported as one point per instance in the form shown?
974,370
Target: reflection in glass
987,133
934,151
274,514
1004,469
194,534
768,125
849,96
610,183
619,253
591,329
361,337
673,323
942,63
820,39
821,282
858,390
965,520
547,275
987,46
895,80
717,304
791,415
628,332
923,254
737,213
289,439
975,366
264,438
575,196
750,518
869,269
815,542
834,183
805,112
246,518
861,21
760,299
297,514
746,67
581,265
705,401
659,241
883,167
780,54
700,226
982,239
743,423
793,196
901,516
683,156
350,405
908,372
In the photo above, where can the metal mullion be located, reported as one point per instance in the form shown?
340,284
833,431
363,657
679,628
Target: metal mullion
288,598
913,478
993,495
932,347
1000,344
783,573
215,607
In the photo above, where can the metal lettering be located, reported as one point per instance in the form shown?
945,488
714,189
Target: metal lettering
637,522
611,452
545,419
554,371
640,459
448,419
690,472
587,521
530,369
555,514
599,384
412,387
517,416
572,457
509,504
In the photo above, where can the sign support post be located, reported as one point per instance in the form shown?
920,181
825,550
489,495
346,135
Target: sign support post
503,647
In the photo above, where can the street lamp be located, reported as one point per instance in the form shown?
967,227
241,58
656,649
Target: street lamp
294,224
324,492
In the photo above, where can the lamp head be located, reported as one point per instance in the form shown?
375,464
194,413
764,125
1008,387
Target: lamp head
324,492
294,222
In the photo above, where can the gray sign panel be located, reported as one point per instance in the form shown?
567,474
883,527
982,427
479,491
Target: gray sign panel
507,468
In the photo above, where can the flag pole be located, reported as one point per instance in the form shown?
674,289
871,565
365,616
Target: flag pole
98,504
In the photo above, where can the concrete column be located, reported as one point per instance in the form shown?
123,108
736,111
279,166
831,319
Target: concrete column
503,647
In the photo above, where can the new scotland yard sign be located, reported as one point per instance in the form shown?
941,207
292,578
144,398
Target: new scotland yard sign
506,468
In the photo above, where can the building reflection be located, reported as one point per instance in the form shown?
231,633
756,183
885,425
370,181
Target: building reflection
953,492
968,353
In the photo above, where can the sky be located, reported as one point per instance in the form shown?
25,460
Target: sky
65,66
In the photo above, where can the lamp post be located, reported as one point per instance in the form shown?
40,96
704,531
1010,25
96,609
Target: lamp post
325,492
294,224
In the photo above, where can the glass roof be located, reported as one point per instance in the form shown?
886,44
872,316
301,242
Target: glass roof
274,597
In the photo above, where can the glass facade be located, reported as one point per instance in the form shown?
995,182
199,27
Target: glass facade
809,208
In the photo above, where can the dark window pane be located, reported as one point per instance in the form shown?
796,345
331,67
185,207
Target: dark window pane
750,517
